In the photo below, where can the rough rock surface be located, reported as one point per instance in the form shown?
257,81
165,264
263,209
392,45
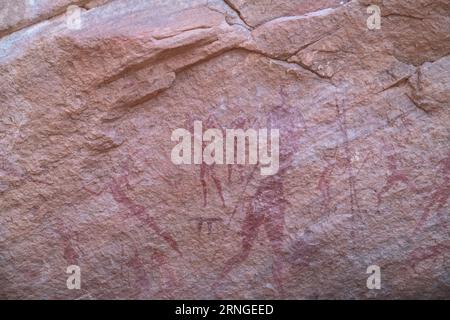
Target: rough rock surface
85,171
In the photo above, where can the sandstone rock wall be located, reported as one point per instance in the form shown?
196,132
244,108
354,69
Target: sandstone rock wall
86,176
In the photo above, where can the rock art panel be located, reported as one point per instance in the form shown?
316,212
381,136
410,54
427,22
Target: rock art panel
362,173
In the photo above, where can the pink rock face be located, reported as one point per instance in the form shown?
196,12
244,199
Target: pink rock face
86,175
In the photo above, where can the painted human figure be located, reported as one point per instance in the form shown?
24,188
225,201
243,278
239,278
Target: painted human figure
241,122
266,208
208,221
323,185
71,249
117,187
395,174
169,281
208,171
137,266
429,253
441,194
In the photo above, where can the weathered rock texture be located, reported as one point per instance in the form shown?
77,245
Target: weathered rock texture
86,177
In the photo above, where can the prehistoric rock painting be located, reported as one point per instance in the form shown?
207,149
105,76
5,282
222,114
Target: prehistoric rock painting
86,175
241,122
69,240
139,272
341,112
169,280
395,174
208,172
335,163
419,255
439,197
117,188
145,274
206,221
266,208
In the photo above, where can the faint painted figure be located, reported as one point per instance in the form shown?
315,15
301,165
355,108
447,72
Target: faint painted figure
395,175
117,187
266,208
208,221
441,194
